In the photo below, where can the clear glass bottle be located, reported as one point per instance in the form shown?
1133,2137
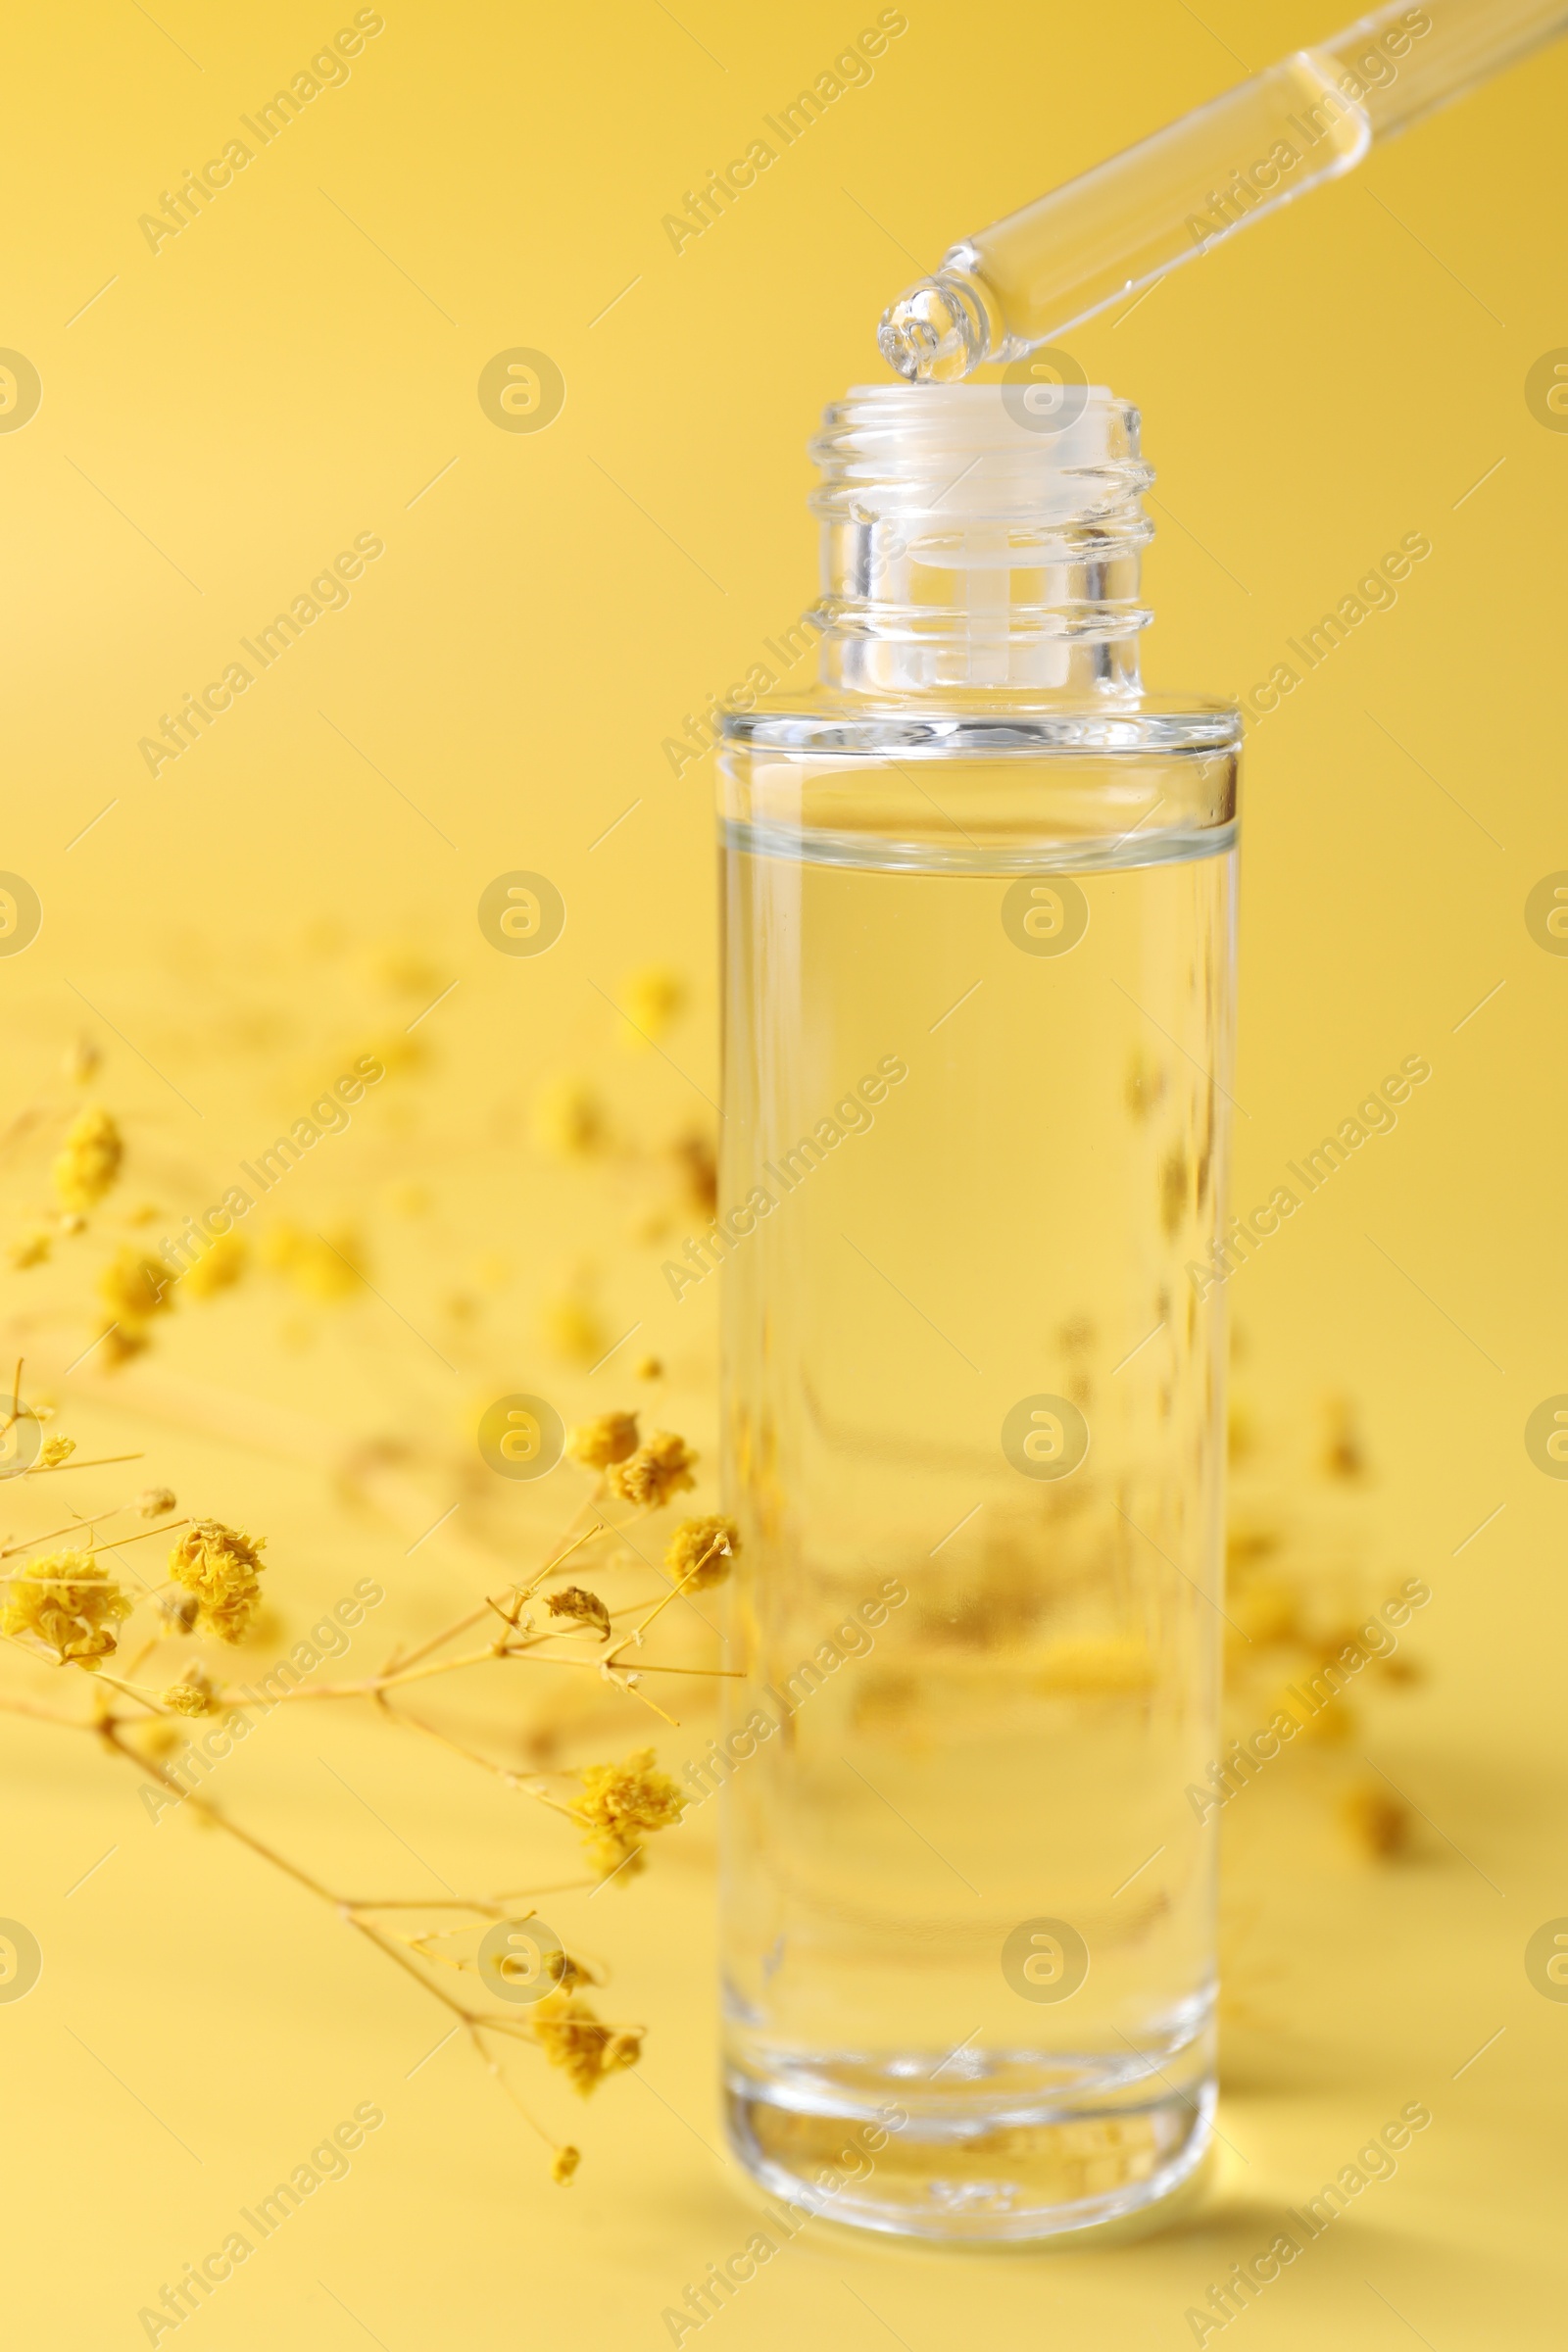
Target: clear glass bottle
978,954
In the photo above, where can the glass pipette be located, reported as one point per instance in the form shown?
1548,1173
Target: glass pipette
1118,227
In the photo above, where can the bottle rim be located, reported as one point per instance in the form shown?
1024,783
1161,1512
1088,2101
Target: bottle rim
1021,451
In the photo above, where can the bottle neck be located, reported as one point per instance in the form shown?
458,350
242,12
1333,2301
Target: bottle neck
982,537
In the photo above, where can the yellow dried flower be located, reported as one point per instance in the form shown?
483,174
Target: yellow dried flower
698,1163
584,1608
563,2164
177,1612
700,1551
1343,1456
321,1265
654,1472
89,1160
1328,1726
219,1564
1250,1541
54,1451
71,1604
407,971
217,1268
135,1287
619,1803
1267,1608
398,1054
31,1249
189,1698
572,1330
598,1443
574,2038
156,1502
653,1000
1377,1821
649,1368
156,1737
1173,1191
568,1119
1241,1434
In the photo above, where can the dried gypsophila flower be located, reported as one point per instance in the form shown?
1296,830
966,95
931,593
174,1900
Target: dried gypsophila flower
177,1613
134,1286
661,1468
1380,1825
68,1600
572,2038
155,1502
217,1268
654,998
121,1344
189,1698
572,1330
88,1160
563,2164
54,1451
619,1805
323,1265
219,1565
700,1551
585,1608
568,1119
598,1443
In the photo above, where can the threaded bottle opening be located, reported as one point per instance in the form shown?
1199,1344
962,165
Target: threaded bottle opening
973,534
1035,454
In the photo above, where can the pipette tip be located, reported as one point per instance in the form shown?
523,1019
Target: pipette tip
934,333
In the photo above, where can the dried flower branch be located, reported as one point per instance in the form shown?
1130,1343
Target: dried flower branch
65,1608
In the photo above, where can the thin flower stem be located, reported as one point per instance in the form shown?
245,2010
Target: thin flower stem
35,1707
292,1870
471,1755
450,1633
130,1691
488,1903
102,1462
141,1537
73,1527
111,1732
718,1546
476,2034
374,1685
460,1624
552,1567
632,1685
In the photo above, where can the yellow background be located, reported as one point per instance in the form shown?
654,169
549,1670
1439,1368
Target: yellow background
295,367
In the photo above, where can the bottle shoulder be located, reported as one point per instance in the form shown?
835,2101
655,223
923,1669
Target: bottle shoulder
985,725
